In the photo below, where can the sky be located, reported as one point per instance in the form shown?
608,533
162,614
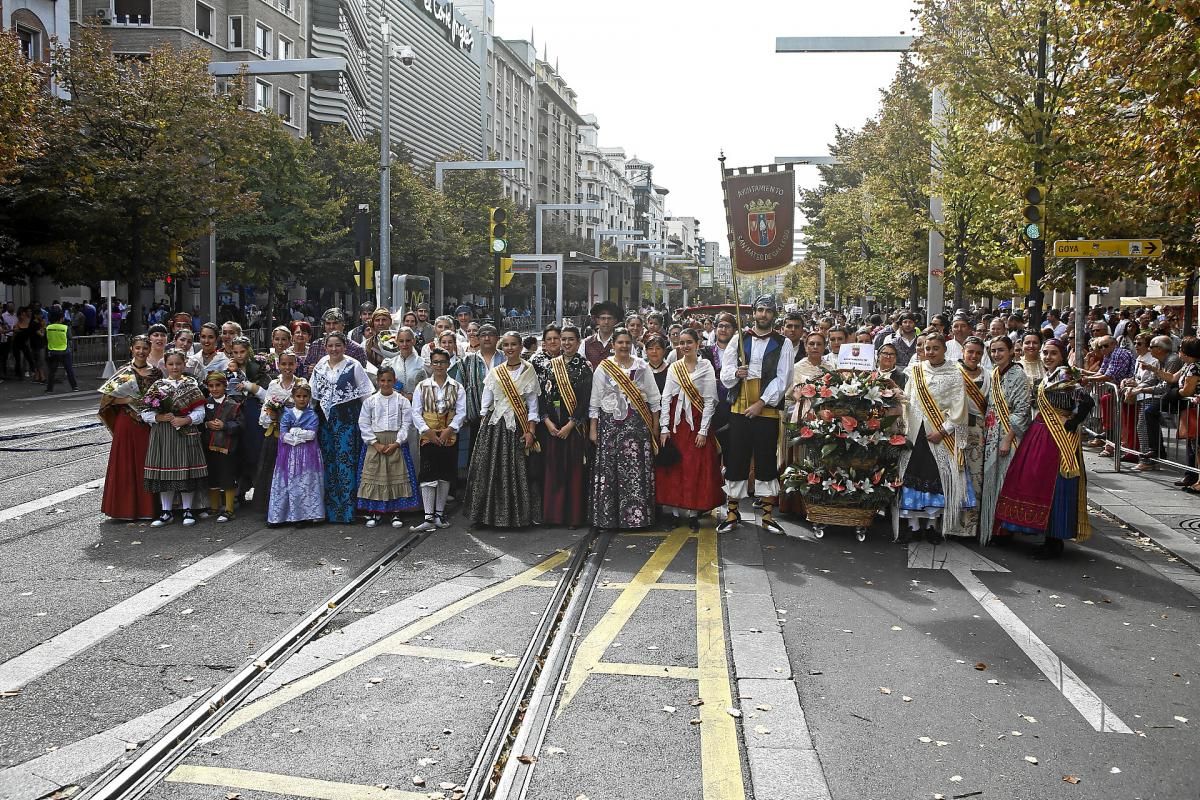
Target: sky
674,82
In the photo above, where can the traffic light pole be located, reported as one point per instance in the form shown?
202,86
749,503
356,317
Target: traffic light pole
1037,250
496,308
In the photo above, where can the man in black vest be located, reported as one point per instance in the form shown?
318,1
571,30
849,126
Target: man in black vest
757,369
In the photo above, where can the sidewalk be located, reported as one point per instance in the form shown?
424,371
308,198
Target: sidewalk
1148,503
26,390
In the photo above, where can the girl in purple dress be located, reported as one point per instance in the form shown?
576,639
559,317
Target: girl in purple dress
298,485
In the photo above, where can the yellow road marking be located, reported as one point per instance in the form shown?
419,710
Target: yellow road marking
449,654
592,649
298,688
646,670
678,587
659,534
286,784
720,760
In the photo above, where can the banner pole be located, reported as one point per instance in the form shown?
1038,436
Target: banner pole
737,298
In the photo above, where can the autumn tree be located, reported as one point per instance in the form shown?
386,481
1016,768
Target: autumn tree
23,106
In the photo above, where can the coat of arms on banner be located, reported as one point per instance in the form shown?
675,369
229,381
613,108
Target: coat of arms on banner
760,219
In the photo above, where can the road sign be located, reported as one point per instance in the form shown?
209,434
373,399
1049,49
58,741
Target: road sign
962,563
1108,248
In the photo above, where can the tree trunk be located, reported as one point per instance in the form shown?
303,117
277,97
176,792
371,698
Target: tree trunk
135,273
960,265
269,312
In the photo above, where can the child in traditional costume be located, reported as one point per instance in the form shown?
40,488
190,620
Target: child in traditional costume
440,405
222,433
298,485
387,481
175,458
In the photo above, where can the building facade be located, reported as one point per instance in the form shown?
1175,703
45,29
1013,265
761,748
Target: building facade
36,23
558,122
437,103
230,30
602,180
510,126
339,28
683,236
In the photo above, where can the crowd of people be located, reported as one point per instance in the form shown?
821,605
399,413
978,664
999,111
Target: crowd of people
638,421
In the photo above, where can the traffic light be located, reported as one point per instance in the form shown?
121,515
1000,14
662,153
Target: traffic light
174,260
1034,211
1023,274
506,271
498,230
364,278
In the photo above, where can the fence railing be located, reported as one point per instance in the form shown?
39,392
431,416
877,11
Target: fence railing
1168,432
1104,421
91,350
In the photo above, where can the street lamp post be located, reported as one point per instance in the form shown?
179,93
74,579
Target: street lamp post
935,296
538,210
385,171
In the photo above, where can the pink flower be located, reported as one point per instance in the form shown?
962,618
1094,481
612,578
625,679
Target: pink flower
808,390
826,391
837,487
826,415
897,439
806,433
873,424
826,378
877,477
849,423
813,479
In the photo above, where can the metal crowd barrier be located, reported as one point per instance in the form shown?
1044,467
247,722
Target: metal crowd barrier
1177,448
91,350
1104,421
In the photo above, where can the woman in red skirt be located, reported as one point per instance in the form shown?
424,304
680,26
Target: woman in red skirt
125,496
692,484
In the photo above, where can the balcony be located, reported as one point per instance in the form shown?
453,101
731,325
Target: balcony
593,198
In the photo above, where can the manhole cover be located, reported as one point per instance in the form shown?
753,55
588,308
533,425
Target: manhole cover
1192,524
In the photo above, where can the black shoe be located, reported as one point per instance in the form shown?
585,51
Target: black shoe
1052,548
694,524
933,536
165,518
769,524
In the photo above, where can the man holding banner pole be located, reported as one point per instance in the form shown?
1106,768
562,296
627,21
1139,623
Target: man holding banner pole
757,364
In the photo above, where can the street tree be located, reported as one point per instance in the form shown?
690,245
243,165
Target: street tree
23,107
144,157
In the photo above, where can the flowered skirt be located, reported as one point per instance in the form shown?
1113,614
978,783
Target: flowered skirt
498,491
623,474
175,460
341,451
387,484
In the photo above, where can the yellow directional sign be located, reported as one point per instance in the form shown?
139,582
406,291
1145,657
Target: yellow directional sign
1108,248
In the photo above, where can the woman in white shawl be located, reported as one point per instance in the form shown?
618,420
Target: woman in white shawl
1007,420
935,487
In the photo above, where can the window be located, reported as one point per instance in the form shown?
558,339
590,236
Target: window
262,40
131,12
283,48
204,20
262,96
286,102
31,43
235,33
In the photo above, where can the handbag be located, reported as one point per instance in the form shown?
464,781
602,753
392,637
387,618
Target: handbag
668,455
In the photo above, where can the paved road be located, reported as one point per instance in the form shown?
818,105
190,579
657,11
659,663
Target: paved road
851,669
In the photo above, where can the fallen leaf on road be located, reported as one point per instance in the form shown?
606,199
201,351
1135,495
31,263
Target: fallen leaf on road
294,730
1071,779
897,628
669,709
956,778
524,759
1027,718
187,612
847,631
884,690
768,707
1060,605
925,739
906,698
694,721
1031,759
980,666
555,751
1016,733
418,780
427,762
1115,770
1181,719
993,681
733,712
375,680
695,701
941,744
163,646
762,730
446,786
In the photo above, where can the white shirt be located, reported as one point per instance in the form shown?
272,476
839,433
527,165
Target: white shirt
198,369
381,412
430,385
954,350
778,384
705,379
608,397
275,391
529,392
409,372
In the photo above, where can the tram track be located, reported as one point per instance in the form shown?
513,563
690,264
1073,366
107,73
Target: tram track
500,769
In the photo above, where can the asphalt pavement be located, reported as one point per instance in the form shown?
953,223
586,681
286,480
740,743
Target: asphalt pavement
746,666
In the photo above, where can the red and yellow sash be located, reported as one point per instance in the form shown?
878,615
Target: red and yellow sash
684,379
1066,442
973,391
504,378
932,412
633,395
1002,409
565,389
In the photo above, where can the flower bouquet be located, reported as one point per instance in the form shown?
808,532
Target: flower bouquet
850,444
386,342
159,399
123,384
273,408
